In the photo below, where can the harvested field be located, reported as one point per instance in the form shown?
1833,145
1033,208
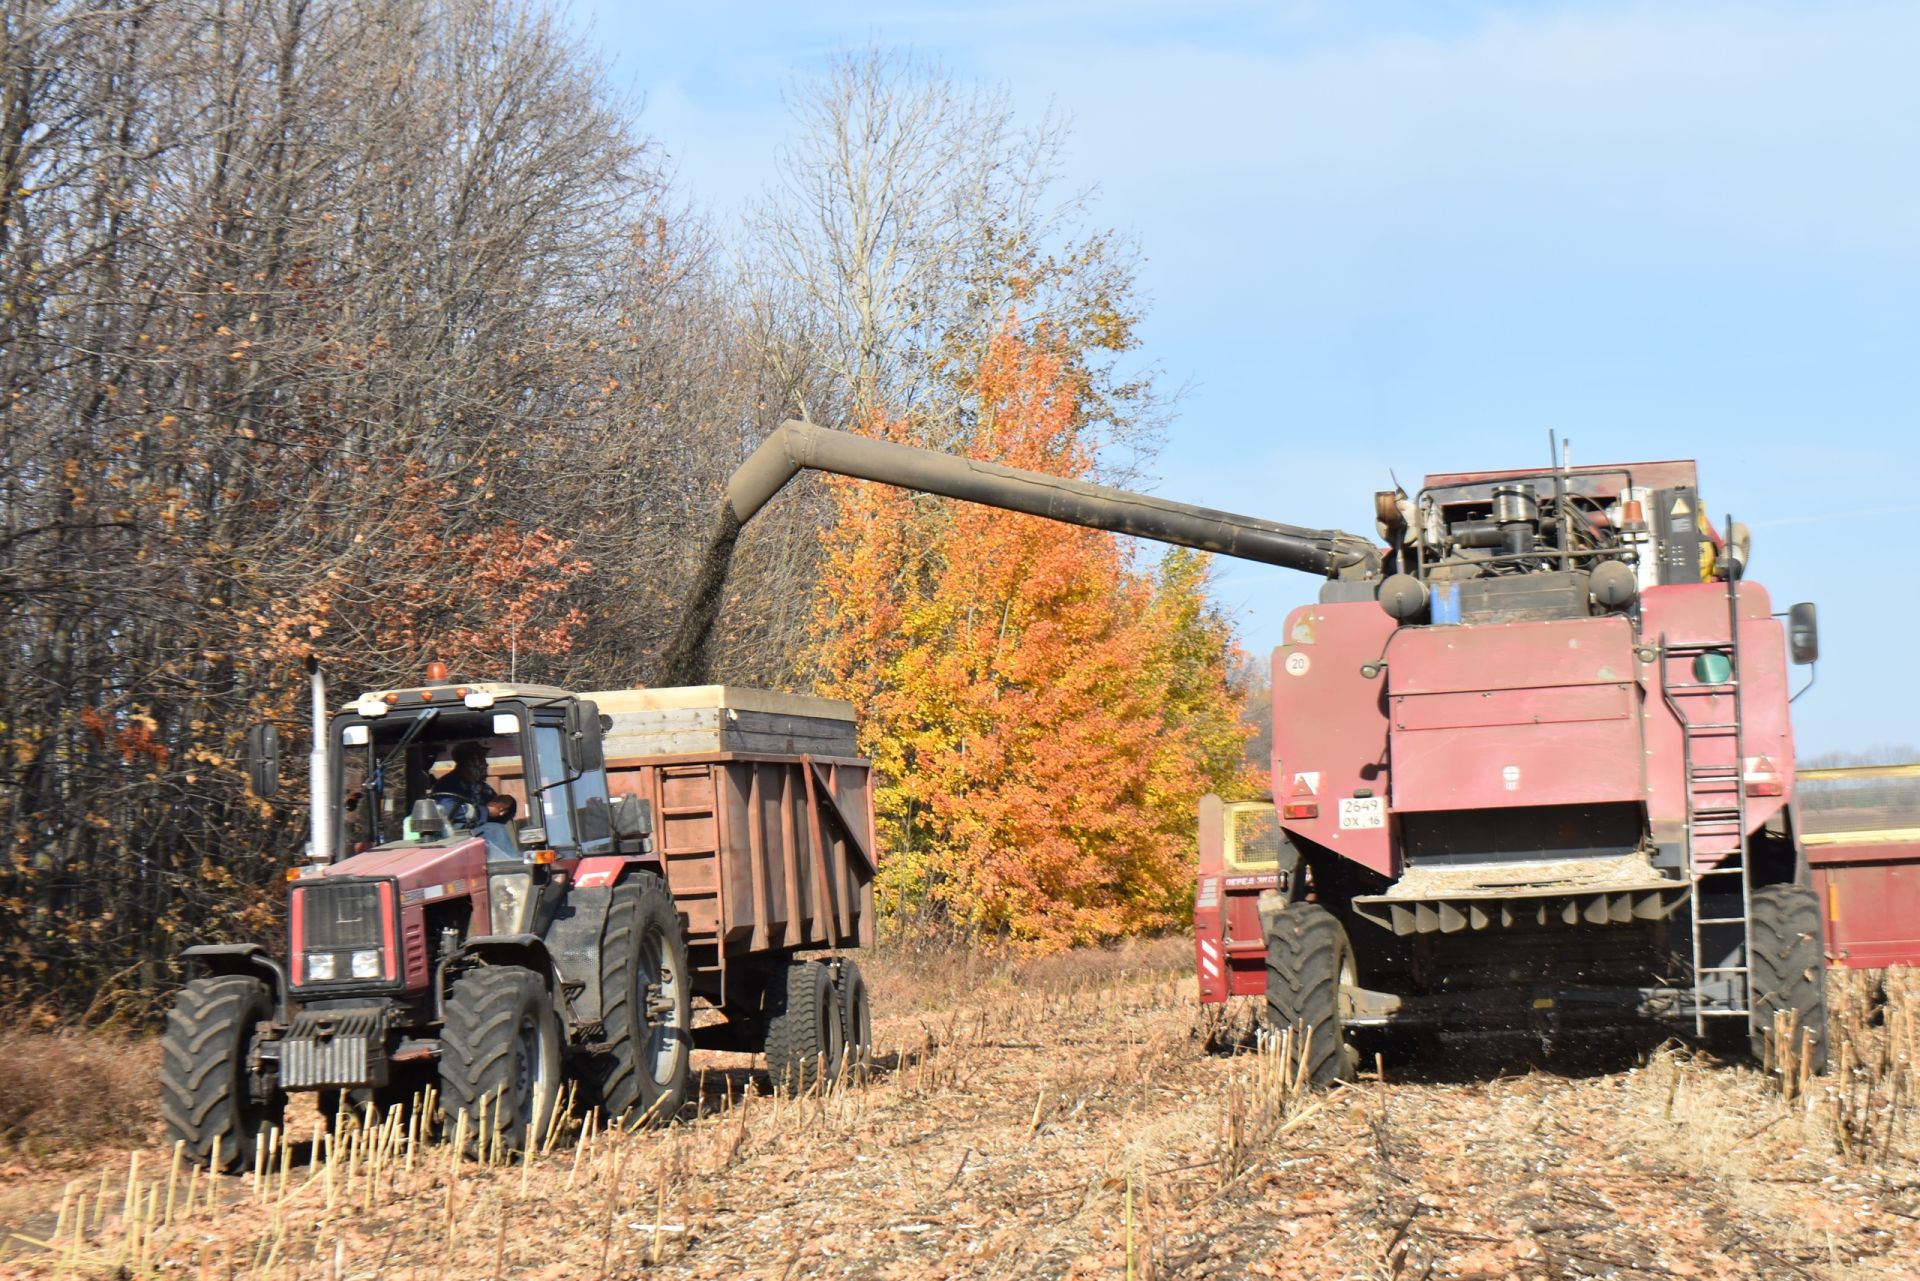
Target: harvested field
1065,1118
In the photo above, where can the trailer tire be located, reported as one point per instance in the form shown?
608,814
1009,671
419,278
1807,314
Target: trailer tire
500,1045
804,1036
645,984
1789,966
1308,957
206,1087
856,1017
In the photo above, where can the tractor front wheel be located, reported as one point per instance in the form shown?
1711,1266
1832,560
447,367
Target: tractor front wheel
209,1096
500,1059
1308,960
648,1013
805,1037
1789,968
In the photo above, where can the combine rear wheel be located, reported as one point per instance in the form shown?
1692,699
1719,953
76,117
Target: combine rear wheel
207,1093
805,1037
500,1058
1308,959
1789,966
644,981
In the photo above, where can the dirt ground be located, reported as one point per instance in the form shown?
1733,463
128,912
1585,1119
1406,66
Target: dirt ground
1067,1119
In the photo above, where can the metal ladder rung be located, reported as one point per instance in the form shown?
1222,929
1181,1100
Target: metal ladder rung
1722,920
1696,687
1716,771
1720,969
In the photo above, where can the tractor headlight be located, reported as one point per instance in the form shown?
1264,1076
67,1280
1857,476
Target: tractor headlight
320,967
366,965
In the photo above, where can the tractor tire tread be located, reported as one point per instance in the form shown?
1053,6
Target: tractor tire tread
621,1086
478,1042
201,1088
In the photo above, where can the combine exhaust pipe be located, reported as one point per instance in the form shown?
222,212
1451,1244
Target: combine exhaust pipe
796,446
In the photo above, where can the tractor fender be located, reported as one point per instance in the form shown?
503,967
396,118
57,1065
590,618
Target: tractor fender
248,960
575,937
527,951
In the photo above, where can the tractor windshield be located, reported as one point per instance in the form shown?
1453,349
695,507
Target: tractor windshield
389,764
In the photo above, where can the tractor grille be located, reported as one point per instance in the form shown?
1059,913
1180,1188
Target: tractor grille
334,1047
341,915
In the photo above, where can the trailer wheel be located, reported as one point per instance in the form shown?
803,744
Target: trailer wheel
1308,958
1789,966
804,1036
856,1017
207,1091
648,1010
500,1047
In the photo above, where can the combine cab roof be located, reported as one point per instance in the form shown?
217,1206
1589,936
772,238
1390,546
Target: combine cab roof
453,694
1605,481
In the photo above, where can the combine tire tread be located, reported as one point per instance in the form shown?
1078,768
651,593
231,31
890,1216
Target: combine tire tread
1306,952
806,1030
1789,966
484,1014
626,1085
205,1086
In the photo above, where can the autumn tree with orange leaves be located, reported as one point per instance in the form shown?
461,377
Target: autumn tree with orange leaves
1042,710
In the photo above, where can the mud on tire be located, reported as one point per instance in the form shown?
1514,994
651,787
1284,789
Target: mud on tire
1307,955
206,1089
1789,966
805,1034
645,985
501,1044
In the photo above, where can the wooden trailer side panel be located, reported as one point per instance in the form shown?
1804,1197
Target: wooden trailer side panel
762,853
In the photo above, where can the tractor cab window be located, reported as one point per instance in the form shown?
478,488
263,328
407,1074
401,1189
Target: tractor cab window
388,765
555,808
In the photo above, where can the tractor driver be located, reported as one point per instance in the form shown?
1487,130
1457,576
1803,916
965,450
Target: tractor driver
469,801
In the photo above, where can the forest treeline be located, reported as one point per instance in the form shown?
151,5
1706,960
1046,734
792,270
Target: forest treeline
376,331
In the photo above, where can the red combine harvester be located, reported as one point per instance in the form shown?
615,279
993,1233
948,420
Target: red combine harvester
1532,755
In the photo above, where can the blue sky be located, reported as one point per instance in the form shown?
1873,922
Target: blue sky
1423,235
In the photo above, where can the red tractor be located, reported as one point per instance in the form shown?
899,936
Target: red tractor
1532,761
489,909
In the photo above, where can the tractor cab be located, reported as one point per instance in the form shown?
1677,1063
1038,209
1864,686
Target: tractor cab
397,780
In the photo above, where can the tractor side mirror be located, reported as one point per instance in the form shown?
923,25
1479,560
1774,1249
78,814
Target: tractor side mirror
262,759
580,744
632,817
1803,632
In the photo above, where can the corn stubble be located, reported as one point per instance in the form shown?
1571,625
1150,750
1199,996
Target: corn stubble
1071,1121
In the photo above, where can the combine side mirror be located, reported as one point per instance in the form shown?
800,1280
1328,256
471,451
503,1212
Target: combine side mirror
632,817
262,759
1803,632
580,744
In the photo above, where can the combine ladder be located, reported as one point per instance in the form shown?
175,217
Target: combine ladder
1709,716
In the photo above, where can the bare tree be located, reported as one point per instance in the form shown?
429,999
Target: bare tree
913,217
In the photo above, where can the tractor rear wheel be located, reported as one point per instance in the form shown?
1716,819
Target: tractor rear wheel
500,1058
207,1093
1788,967
1308,959
856,1016
805,1040
648,1005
